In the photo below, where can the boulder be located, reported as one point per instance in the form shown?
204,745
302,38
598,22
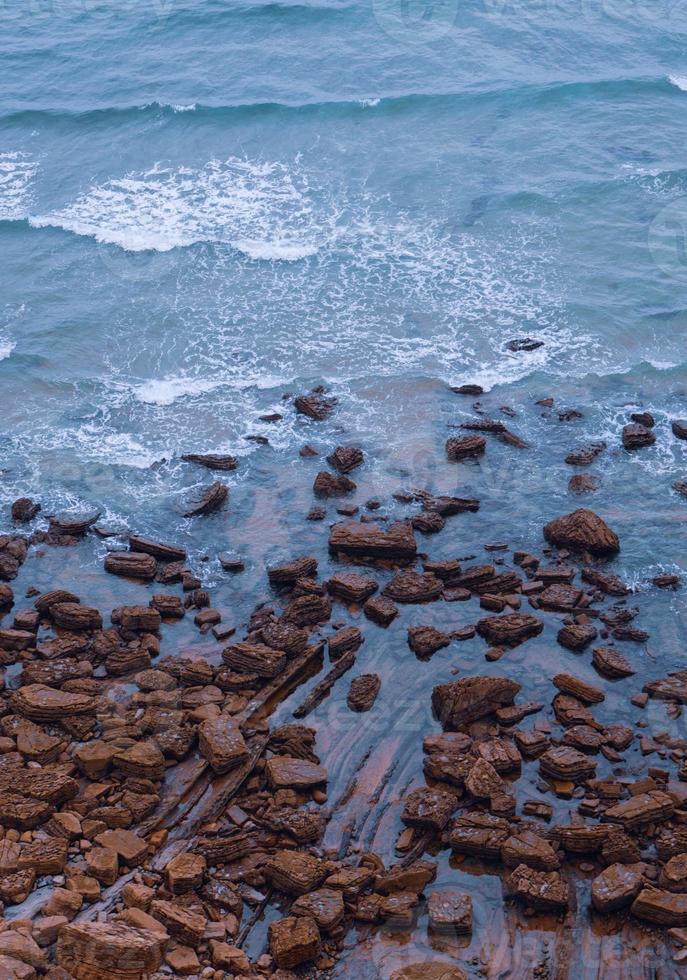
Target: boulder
583,530
460,702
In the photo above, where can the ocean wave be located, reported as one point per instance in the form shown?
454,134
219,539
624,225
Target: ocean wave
6,348
17,172
165,391
679,81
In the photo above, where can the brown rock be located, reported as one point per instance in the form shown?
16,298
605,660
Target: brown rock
288,573
578,689
294,872
211,461
327,485
210,499
324,905
673,875
255,658
372,541
605,581
510,629
131,848
583,483
429,809
582,530
410,586
426,640
661,907
316,405
380,610
480,835
363,692
286,772
351,586
637,436
45,704
585,456
345,458
529,848
185,925
576,636
185,872
131,564
222,744
611,663
294,940
542,890
641,809
465,447
107,951
450,911
562,762
560,598
346,640
103,864
143,760
460,702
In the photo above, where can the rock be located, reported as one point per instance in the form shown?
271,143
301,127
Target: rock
583,483
185,925
14,969
255,658
211,461
131,564
576,636
185,873
74,616
290,572
231,561
673,875
529,848
409,587
363,692
380,610
103,865
345,458
641,809
165,552
523,344
324,905
465,447
131,848
429,969
183,961
450,911
679,428
142,761
562,762
661,907
315,405
346,640
210,499
509,630
542,890
138,619
294,940
351,586
637,436
582,530
20,947
479,835
585,456
24,510
482,780
294,872
372,541
670,688
429,809
560,597
222,744
286,772
578,689
45,704
426,640
73,525
611,663
460,702
326,485
606,581
581,839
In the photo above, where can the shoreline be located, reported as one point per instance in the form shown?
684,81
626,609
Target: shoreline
188,773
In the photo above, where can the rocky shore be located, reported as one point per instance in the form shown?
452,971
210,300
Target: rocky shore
154,816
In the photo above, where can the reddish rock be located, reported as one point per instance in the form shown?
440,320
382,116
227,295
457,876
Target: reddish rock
576,636
450,910
324,905
660,907
641,809
429,808
611,663
426,640
351,586
346,640
294,940
510,629
542,890
460,702
209,499
583,530
380,610
637,436
345,458
211,461
363,692
327,485
372,541
465,447
222,744
131,564
294,872
284,771
409,587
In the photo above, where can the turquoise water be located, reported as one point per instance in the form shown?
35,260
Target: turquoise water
205,207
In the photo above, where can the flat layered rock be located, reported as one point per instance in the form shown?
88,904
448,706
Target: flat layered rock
293,940
586,455
447,506
450,910
324,905
576,636
426,640
583,530
158,549
286,772
578,689
139,619
460,702
127,844
581,839
43,704
255,658
611,663
363,692
429,809
605,581
661,907
636,436
131,564
222,744
380,610
307,610
23,813
185,925
289,572
409,586
545,891
509,630
74,616
501,754
143,760
208,500
316,405
185,873
328,485
479,835
346,640
673,875
482,780
351,586
429,969
465,447
529,848
212,461
670,688
51,785
372,541
560,597
563,762
73,525
345,458
107,951
295,872
641,809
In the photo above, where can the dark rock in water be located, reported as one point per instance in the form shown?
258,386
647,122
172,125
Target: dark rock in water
448,506
468,389
509,630
372,541
428,523
6,598
345,458
380,610
327,485
346,640
679,427
73,525
680,486
576,636
231,561
165,552
545,402
426,640
363,692
465,447
496,428
643,418
315,405
271,417
351,586
611,663
260,440
460,702
637,436
211,461
569,415
316,514
546,891
209,500
410,586
606,581
131,564
290,572
24,510
585,456
583,483
307,452
582,530
524,344
665,581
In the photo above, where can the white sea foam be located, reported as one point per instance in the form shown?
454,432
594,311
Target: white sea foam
17,171
262,209
6,348
679,81
165,391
